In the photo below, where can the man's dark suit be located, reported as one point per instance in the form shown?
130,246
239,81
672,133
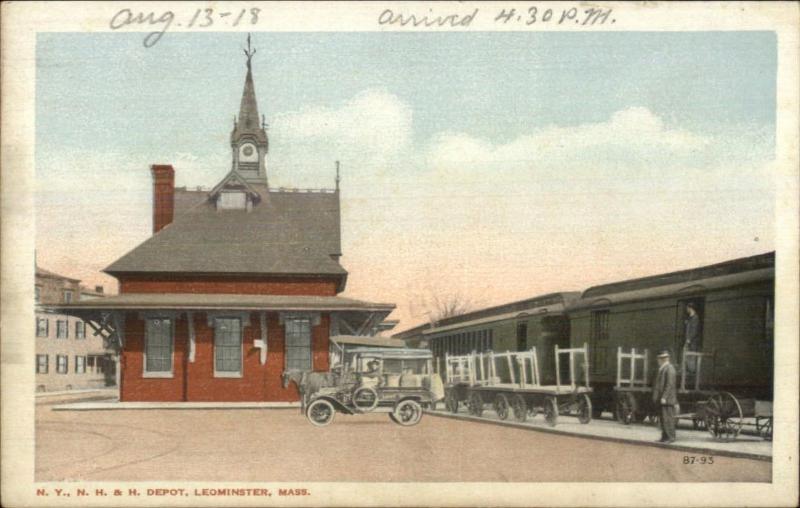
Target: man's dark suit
664,395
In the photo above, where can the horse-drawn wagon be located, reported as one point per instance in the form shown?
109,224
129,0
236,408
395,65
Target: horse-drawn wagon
400,382
510,381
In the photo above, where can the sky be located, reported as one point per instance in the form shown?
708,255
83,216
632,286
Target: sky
492,166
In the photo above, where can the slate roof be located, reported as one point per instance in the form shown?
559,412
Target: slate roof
287,233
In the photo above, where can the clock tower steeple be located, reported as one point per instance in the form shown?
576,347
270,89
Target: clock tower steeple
249,137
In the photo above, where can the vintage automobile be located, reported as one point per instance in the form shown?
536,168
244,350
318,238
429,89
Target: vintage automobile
400,382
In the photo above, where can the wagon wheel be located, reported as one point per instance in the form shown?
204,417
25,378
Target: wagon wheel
626,408
501,406
407,413
365,398
320,412
764,427
451,401
584,409
551,411
520,408
723,416
699,424
475,404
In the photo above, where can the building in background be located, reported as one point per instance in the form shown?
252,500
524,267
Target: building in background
68,355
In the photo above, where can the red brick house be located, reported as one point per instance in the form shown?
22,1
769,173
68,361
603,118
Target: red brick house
235,286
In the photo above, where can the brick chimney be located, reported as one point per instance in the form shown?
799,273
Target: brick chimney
163,195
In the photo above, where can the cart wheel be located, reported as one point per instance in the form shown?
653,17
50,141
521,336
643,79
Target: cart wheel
723,416
551,411
626,407
584,409
501,406
451,401
475,404
365,398
320,412
699,424
520,408
764,427
407,412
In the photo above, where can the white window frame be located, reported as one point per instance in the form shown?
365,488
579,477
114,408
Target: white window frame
66,364
46,327
46,364
83,370
66,328
230,374
160,373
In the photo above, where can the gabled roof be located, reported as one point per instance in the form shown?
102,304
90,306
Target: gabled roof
41,272
287,233
235,180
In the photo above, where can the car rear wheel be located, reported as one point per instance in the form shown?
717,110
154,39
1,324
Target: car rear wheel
407,413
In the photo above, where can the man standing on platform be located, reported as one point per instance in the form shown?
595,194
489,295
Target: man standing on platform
664,396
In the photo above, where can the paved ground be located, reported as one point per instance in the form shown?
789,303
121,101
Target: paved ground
280,445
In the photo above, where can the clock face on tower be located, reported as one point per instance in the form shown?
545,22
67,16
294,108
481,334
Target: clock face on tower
248,153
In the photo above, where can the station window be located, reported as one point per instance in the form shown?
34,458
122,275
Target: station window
62,364
227,347
80,330
37,294
158,347
62,329
42,327
42,364
298,344
68,296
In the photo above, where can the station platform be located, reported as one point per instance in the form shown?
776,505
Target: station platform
697,442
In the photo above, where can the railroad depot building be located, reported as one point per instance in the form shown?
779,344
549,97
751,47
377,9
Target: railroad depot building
236,285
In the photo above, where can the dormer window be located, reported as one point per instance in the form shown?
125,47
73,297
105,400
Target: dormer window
232,200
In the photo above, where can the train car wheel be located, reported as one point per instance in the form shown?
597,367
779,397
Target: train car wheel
520,408
475,404
584,409
501,406
551,411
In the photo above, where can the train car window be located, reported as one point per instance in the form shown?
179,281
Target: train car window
522,336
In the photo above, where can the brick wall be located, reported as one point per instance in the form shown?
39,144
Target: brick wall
195,381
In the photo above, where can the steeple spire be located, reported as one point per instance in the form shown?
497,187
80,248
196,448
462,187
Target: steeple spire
249,137
248,111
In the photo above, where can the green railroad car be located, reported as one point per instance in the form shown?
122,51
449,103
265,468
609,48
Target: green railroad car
538,322
734,301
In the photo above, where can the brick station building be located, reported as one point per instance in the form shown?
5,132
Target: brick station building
235,286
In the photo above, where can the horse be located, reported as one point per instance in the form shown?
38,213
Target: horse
308,383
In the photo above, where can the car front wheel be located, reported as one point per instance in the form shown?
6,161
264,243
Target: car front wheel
320,412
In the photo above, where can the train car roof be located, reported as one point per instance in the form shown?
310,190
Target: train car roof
721,275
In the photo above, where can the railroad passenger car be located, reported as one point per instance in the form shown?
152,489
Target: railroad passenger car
518,326
735,304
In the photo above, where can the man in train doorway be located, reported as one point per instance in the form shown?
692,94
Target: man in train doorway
664,396
691,329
